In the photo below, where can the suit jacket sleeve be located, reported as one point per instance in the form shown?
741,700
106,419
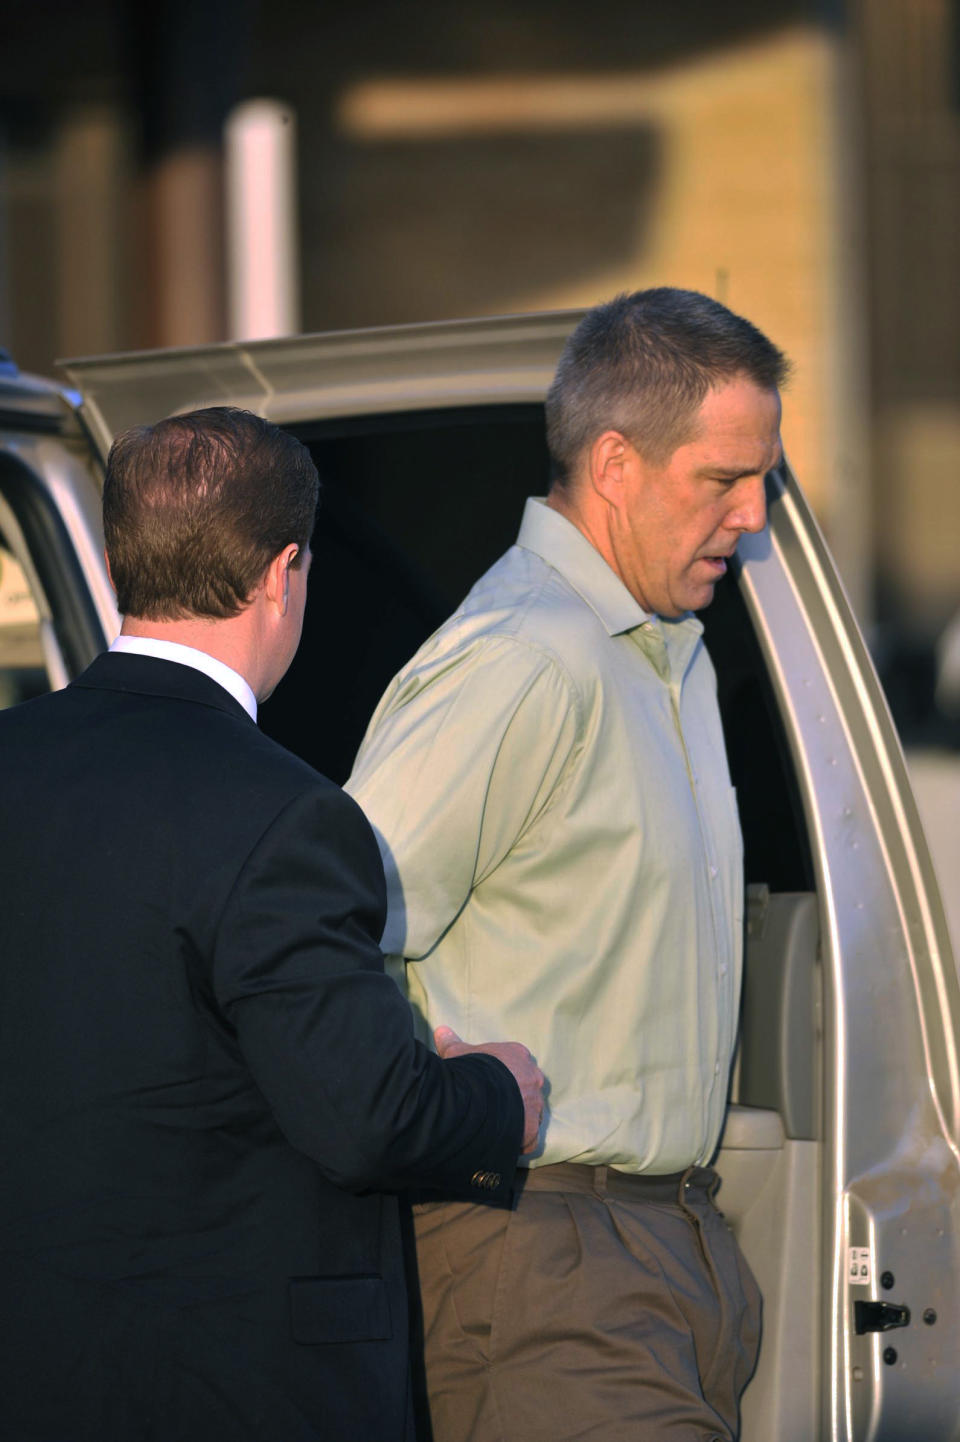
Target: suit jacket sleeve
327,1035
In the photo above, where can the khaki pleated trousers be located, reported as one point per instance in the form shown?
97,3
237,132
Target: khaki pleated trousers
601,1308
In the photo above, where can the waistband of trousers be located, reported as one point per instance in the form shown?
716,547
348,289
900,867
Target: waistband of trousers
622,1186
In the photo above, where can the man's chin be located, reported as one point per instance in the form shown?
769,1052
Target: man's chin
695,597
701,597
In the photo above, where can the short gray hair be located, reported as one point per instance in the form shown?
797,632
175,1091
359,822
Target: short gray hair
642,364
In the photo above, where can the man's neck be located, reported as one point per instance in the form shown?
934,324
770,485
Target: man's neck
580,508
227,639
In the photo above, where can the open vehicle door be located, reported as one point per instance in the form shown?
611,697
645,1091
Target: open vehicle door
56,605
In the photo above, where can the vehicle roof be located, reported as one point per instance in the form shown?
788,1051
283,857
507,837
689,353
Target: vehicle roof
339,373
29,402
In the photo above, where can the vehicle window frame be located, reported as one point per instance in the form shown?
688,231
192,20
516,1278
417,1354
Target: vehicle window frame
39,540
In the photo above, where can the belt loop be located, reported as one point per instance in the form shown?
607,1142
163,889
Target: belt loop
698,1179
600,1181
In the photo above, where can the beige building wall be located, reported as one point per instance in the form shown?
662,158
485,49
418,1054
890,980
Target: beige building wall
92,173
806,174
911,66
751,202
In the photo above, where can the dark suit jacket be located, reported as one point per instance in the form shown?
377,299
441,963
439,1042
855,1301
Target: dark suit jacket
209,1090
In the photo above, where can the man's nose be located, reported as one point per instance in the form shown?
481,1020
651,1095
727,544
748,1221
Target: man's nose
750,511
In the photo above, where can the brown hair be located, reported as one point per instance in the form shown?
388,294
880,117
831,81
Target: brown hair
196,507
642,364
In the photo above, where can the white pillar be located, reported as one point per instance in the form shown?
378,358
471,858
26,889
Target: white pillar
261,221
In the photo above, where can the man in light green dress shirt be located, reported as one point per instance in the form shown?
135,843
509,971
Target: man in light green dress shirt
548,782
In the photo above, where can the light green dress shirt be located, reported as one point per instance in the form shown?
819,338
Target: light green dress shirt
548,782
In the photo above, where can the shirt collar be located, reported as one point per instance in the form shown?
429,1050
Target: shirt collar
224,675
558,542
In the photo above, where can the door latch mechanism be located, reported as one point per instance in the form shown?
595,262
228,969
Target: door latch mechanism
879,1316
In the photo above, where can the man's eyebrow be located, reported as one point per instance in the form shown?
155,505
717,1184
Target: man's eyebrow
734,473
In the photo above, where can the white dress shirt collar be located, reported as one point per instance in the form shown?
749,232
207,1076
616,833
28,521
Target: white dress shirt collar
218,671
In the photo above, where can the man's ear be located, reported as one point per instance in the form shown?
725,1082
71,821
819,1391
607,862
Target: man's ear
106,559
610,459
276,583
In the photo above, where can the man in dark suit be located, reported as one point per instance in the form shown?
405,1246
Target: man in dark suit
209,1090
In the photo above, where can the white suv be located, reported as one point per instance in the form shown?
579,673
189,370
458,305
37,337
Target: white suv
840,1155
